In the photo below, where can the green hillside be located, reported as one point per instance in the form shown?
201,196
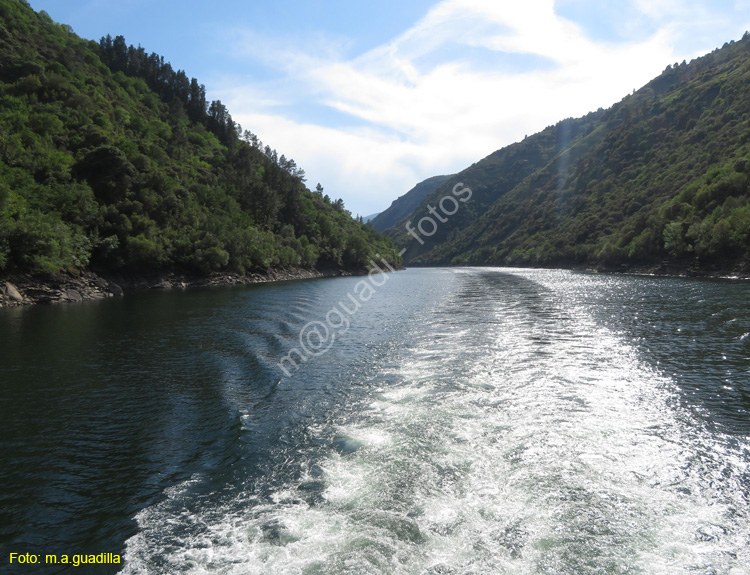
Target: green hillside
660,176
111,160
403,206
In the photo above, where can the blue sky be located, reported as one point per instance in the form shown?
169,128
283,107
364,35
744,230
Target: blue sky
372,97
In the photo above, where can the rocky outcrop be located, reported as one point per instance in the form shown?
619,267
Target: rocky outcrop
11,292
25,289
85,286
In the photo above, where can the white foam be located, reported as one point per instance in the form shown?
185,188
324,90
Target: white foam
512,455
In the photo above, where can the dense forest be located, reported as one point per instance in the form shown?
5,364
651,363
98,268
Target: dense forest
112,160
662,176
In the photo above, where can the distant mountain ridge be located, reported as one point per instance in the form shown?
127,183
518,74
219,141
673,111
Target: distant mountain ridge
406,204
660,176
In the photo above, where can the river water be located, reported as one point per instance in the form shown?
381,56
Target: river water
468,421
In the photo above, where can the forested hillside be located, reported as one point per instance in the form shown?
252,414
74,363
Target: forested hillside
111,160
403,206
661,176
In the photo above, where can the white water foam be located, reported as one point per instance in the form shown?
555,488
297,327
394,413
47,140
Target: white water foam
537,442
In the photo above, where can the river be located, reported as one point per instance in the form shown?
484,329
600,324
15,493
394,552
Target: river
461,421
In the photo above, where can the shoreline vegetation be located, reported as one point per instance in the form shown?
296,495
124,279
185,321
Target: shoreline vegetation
114,163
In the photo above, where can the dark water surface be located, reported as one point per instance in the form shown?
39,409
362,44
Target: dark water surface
468,421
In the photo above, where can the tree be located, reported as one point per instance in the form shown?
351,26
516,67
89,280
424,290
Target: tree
108,171
109,155
197,101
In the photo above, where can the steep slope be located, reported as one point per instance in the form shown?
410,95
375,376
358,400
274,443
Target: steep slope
488,180
111,160
404,205
661,176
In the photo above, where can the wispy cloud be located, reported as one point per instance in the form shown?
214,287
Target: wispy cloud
468,78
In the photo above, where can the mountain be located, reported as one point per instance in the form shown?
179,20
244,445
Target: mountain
370,217
661,176
112,161
406,204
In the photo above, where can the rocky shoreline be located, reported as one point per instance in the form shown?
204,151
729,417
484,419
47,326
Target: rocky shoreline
687,268
739,270
22,289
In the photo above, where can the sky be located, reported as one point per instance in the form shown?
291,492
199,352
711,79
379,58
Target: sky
370,98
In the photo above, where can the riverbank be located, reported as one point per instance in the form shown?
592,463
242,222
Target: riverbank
24,289
663,269
737,270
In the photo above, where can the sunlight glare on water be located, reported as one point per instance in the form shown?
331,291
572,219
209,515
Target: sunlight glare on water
515,431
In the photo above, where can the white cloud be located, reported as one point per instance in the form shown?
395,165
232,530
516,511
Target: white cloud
662,8
410,122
